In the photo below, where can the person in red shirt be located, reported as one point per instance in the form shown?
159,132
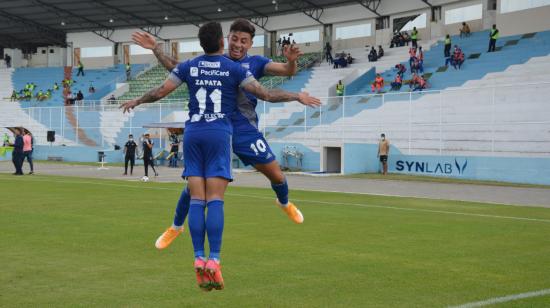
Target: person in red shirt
417,83
27,150
378,83
397,82
412,56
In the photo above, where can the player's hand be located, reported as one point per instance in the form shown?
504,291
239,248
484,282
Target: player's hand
305,99
144,40
292,52
129,105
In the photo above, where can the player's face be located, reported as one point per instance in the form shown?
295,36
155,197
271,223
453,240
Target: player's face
239,44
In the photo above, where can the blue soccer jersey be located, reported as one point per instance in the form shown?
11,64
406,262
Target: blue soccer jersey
246,120
248,142
213,83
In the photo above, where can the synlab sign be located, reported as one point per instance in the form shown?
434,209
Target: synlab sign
432,167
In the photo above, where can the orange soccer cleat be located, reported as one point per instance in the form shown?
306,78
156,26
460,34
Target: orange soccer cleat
167,237
213,270
203,280
292,211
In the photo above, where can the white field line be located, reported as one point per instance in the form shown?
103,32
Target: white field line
300,200
504,299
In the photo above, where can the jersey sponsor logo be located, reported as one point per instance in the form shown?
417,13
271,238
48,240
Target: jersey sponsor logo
248,74
194,71
215,73
212,83
209,117
245,65
209,64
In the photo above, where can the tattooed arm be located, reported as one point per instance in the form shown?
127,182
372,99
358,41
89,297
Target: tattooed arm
148,41
152,96
278,95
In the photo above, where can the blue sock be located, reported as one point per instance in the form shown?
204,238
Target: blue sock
214,227
281,190
182,208
197,226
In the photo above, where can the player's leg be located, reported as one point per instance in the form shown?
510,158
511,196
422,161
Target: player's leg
126,160
146,165
279,185
182,209
132,163
152,162
253,149
195,174
197,228
215,188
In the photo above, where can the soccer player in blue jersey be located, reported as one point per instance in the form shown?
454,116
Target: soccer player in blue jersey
248,142
214,82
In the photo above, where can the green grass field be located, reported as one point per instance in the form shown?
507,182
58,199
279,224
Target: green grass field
88,242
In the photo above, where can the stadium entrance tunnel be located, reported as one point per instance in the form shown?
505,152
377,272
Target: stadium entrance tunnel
331,159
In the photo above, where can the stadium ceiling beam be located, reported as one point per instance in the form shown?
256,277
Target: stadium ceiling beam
185,11
258,19
57,37
102,30
310,9
151,27
9,41
427,2
371,5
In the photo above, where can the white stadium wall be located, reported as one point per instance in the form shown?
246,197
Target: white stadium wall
524,21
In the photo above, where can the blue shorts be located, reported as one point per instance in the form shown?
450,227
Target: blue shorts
252,148
207,154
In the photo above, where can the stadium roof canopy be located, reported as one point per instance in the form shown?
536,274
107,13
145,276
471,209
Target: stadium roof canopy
31,23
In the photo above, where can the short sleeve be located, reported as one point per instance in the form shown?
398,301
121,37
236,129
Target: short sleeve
244,76
262,65
179,73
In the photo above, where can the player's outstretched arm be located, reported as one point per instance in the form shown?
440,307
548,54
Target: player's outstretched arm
292,53
148,41
277,95
152,96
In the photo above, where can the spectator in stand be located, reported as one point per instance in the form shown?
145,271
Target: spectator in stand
293,42
415,66
349,58
70,99
340,88
380,51
112,98
397,83
340,62
13,96
412,56
48,94
420,57
28,143
465,30
448,43
91,89
378,83
417,83
79,96
493,36
458,58
55,86
401,69
7,59
373,56
414,37
396,40
328,52
40,95
405,38
128,71
80,69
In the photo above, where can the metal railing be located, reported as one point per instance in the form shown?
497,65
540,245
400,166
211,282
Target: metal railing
505,120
